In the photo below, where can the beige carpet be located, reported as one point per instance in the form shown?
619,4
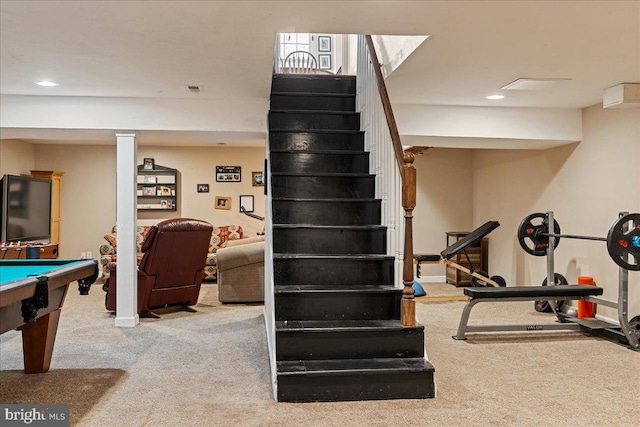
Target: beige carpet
211,369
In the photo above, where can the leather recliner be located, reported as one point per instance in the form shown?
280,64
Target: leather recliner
172,265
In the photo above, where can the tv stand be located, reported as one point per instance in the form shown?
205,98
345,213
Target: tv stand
19,251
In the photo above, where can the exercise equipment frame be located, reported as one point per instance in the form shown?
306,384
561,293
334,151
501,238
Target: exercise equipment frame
564,293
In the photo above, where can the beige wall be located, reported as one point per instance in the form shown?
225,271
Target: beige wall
88,195
16,157
444,200
584,184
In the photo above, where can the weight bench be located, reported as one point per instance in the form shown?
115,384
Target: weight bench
461,245
524,293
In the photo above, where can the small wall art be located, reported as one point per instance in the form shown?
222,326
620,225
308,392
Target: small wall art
228,174
223,202
203,188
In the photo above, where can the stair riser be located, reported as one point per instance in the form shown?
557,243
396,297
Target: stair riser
338,306
326,213
305,271
283,83
317,162
313,102
316,141
304,121
336,388
349,344
329,241
323,187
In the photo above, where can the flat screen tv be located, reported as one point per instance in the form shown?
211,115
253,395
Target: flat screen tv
26,209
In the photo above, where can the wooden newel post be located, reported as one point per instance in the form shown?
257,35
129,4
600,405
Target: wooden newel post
408,309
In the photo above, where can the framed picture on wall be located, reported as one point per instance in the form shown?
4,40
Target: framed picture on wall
257,179
223,202
324,43
203,188
228,174
246,202
324,61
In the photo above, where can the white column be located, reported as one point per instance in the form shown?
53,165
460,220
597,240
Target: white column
126,220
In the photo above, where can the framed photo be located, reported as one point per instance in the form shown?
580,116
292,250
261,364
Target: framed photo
164,204
223,202
257,179
324,61
228,174
164,191
246,202
149,191
149,179
203,188
324,43
149,164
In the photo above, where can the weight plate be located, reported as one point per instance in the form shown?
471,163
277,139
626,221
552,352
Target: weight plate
624,247
634,326
543,306
530,234
479,282
499,280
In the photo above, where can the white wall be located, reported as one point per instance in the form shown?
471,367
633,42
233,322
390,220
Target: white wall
585,184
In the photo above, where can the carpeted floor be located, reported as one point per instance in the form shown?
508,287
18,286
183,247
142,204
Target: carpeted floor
211,368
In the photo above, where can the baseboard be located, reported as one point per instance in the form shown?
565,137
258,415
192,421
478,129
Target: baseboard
432,279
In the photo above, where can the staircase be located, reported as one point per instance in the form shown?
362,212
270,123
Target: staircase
338,334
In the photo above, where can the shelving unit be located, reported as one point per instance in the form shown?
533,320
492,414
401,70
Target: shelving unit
478,255
157,188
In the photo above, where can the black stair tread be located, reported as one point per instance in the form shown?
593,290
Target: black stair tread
314,76
328,94
343,200
315,112
322,174
342,325
340,152
349,366
333,257
286,289
331,131
331,227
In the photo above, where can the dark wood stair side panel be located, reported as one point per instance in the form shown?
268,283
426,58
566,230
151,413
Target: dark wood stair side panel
334,186
349,343
316,140
312,162
310,101
329,241
337,305
315,84
326,212
356,386
314,120
332,271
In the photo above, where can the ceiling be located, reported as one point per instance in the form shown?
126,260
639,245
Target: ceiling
150,51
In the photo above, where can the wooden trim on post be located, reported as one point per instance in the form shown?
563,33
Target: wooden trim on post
408,309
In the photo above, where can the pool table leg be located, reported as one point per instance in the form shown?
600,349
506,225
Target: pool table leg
37,342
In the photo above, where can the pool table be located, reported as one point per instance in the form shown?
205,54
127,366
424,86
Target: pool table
32,292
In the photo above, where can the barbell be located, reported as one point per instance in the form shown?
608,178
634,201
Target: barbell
623,239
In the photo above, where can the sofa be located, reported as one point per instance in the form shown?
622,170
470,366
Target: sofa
241,271
172,266
220,237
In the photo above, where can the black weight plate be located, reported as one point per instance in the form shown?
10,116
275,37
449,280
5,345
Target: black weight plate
634,326
479,282
623,245
530,234
499,280
543,306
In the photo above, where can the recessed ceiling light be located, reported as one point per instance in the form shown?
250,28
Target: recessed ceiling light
47,83
494,96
